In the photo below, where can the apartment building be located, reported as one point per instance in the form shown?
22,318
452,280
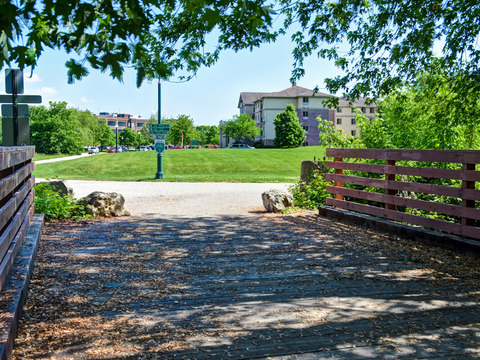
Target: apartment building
122,121
264,107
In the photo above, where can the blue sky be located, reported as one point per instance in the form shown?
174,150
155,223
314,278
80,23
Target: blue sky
210,97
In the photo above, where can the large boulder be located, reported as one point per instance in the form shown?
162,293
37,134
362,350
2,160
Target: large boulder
105,204
276,200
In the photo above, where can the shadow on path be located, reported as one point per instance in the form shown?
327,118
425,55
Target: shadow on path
245,287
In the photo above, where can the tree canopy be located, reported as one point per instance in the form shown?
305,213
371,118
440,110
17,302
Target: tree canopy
239,127
182,130
156,37
378,44
288,131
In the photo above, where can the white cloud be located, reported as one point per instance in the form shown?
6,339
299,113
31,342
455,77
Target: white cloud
47,91
85,100
33,79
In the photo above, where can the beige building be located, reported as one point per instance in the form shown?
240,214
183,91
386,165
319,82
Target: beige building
346,112
264,107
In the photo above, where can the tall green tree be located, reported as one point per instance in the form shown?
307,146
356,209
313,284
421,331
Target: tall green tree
288,131
104,135
211,134
181,128
129,136
55,129
240,127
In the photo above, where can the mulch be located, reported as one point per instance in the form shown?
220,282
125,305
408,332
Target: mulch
245,287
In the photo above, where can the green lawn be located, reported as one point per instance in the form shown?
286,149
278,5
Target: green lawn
194,165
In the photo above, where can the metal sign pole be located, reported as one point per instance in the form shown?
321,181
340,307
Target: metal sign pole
15,108
159,174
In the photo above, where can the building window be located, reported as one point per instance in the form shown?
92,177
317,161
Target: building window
364,110
372,110
121,123
353,132
111,123
305,100
305,128
139,125
305,114
339,121
339,109
354,121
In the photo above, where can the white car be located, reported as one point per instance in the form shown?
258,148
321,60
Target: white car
93,150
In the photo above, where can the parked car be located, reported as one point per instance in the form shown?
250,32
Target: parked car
93,150
111,150
124,149
143,148
212,147
240,146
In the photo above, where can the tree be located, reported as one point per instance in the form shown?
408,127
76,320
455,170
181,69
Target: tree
130,137
182,130
239,127
429,114
380,45
55,130
104,135
152,36
211,134
288,131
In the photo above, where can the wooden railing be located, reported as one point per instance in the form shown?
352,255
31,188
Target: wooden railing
389,192
16,202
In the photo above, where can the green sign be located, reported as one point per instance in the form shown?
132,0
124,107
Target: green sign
159,146
160,129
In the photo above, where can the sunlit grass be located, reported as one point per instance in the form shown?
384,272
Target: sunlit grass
195,165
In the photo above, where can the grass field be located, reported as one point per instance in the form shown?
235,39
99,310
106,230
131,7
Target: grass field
195,165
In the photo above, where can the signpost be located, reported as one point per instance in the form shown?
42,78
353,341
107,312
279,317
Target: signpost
159,131
15,127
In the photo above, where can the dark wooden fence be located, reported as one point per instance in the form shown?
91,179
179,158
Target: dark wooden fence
389,191
16,202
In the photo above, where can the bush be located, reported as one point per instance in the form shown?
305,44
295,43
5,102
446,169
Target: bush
311,195
57,207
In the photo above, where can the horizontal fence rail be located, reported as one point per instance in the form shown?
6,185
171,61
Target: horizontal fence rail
16,202
406,185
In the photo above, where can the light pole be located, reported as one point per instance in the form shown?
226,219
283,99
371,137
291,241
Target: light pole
116,137
139,141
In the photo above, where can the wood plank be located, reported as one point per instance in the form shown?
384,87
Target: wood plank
12,156
444,156
446,209
11,207
424,172
9,258
407,186
435,224
11,230
8,184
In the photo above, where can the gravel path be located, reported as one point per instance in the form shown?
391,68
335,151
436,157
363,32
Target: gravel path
188,199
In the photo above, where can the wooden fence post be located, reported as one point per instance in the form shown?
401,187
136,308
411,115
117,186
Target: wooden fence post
390,177
468,203
338,183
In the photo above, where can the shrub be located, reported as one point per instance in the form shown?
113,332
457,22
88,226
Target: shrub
57,207
311,195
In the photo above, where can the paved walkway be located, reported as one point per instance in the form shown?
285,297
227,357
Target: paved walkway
245,285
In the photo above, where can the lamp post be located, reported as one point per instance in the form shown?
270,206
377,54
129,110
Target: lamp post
159,174
139,141
116,137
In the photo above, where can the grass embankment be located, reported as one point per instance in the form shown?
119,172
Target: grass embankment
195,165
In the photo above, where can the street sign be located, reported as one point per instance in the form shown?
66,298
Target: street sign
159,129
159,136
159,146
7,110
13,81
22,99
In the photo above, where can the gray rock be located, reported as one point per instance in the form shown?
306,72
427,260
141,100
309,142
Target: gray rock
61,187
276,200
309,167
105,204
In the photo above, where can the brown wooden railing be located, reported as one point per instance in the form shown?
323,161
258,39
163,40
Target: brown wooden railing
16,202
390,191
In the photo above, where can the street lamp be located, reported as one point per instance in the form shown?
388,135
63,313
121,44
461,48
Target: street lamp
116,137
